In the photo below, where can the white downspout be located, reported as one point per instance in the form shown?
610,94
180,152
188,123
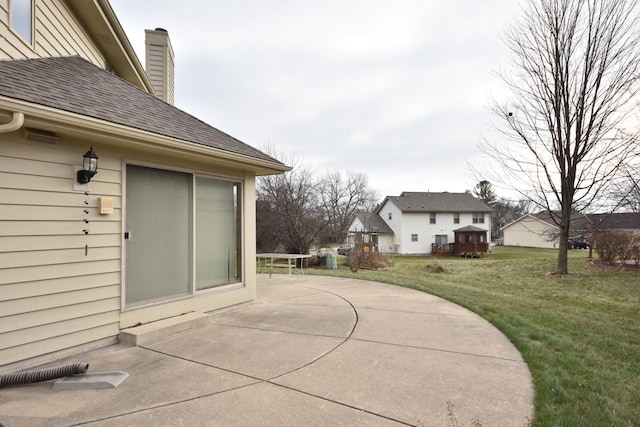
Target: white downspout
16,123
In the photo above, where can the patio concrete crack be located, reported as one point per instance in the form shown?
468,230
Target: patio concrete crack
164,405
347,338
257,380
346,405
202,364
440,350
283,331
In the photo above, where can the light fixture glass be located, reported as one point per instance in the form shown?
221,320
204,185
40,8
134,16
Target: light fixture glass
89,167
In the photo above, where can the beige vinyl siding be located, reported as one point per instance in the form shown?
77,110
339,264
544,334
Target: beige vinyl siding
52,296
44,272
156,70
170,79
40,242
530,232
57,33
60,285
160,71
54,344
57,314
57,30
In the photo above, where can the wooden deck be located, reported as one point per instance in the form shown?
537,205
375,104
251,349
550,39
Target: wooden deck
469,250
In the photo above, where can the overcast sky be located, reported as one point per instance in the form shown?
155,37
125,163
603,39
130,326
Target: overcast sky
395,89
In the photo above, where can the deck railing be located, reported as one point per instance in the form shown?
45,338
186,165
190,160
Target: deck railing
459,248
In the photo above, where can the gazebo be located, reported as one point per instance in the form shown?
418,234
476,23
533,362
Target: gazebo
470,242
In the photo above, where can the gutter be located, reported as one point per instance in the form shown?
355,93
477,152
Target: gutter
101,130
16,123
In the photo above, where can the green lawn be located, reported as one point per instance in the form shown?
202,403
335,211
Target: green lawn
580,334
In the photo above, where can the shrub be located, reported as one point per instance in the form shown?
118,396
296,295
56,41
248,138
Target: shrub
370,259
436,267
635,251
614,245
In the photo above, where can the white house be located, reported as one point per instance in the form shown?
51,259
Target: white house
421,221
165,227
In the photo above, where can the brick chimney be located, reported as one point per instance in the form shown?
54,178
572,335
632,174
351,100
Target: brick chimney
159,63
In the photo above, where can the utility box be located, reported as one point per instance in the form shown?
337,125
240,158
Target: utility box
106,205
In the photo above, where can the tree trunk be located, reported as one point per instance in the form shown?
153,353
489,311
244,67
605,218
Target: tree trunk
565,227
563,267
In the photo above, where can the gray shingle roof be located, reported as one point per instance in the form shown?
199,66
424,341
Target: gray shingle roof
437,202
75,85
592,222
613,221
373,223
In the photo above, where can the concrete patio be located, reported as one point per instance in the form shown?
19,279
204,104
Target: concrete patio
312,351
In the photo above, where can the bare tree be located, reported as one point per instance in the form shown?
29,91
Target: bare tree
504,210
294,210
627,193
573,82
341,198
287,209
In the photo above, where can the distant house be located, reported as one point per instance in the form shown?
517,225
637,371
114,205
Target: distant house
420,222
369,228
165,227
540,231
531,230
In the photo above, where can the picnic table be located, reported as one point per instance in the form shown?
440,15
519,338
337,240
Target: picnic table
269,260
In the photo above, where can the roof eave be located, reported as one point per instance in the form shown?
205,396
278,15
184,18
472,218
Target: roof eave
425,210
94,129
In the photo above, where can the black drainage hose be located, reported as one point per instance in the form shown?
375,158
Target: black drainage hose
29,377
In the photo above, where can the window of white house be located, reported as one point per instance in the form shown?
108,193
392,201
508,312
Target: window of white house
414,237
390,215
441,239
456,218
21,18
432,218
478,218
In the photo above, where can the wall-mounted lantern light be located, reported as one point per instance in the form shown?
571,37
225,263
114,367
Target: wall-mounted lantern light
89,167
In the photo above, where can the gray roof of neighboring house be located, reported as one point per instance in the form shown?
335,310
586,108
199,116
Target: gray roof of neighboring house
373,223
75,85
437,202
613,221
592,222
551,217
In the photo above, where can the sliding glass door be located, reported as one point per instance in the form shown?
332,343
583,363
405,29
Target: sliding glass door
157,236
183,234
217,232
